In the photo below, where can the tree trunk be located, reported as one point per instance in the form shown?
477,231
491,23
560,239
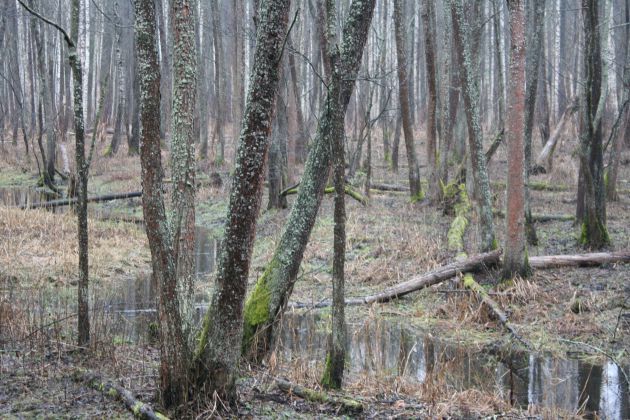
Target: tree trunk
463,39
594,234
219,83
274,287
515,258
336,352
122,88
403,96
183,21
428,22
173,372
218,350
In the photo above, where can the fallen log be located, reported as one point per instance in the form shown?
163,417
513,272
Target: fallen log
347,405
471,284
389,187
329,190
539,217
70,201
537,186
580,260
474,263
139,409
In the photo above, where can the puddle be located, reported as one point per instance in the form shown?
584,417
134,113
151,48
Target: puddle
388,349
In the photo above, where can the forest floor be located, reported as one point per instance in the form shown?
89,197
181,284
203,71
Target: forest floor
568,312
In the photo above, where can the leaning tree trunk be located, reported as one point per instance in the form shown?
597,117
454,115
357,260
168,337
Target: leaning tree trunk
515,258
218,350
462,32
403,96
594,233
174,353
274,287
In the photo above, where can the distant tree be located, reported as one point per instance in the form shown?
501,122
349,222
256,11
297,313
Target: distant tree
403,96
219,345
462,31
515,256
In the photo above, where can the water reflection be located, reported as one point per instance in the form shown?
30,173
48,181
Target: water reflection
388,349
20,196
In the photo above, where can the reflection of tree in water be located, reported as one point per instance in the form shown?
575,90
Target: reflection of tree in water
386,350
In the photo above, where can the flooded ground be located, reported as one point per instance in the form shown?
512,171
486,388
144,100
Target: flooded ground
388,348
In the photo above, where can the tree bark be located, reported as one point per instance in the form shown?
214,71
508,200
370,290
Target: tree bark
274,287
218,350
173,372
403,96
515,257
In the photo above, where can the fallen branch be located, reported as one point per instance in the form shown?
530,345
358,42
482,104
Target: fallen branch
346,404
329,190
474,263
538,217
579,260
471,284
70,201
138,408
389,187
537,186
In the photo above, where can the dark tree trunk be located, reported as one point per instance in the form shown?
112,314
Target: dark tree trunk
594,234
428,22
403,96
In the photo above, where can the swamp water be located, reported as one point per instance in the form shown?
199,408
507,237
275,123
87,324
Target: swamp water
125,311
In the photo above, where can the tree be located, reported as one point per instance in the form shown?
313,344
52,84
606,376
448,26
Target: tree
82,166
428,22
218,349
273,288
463,36
515,258
336,352
170,238
403,97
591,191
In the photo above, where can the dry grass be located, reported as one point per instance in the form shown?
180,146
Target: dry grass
38,245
